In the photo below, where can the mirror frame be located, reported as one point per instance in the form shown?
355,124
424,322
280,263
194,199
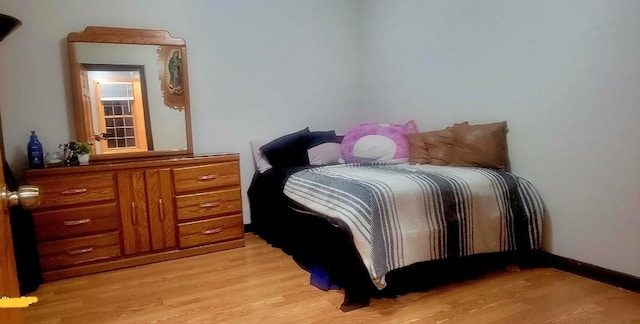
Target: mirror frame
117,35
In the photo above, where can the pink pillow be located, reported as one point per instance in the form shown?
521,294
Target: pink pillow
377,142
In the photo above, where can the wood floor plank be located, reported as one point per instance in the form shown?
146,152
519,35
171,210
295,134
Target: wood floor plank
261,284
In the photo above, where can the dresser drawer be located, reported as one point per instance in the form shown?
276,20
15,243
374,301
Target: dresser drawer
209,204
75,189
206,176
68,222
211,231
62,253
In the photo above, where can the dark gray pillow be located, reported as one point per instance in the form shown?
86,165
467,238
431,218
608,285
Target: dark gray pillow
288,150
320,137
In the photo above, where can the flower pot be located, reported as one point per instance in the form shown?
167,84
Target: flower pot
83,159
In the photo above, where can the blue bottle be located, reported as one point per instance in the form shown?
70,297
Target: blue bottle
34,151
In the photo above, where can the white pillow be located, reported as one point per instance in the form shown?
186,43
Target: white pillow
325,153
375,147
261,162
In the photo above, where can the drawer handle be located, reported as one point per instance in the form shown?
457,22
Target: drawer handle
212,231
161,209
134,215
208,177
80,251
210,204
77,222
74,191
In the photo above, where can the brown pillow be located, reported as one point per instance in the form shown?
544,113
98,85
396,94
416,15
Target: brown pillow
482,145
432,147
439,145
418,149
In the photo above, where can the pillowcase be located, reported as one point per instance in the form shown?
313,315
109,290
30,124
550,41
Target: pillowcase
438,146
433,147
325,153
377,142
418,153
324,148
288,150
261,162
483,145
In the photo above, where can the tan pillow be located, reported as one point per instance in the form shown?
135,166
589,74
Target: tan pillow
439,145
483,145
418,149
432,147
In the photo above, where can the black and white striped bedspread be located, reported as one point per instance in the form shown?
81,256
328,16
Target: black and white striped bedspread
402,214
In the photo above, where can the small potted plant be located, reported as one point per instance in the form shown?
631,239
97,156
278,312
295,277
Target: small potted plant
83,149
76,152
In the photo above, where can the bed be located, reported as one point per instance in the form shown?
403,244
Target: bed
376,228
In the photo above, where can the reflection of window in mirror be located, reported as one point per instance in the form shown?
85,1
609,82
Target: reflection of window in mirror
118,108
120,116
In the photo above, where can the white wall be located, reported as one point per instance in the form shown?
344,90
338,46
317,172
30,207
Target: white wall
564,74
257,69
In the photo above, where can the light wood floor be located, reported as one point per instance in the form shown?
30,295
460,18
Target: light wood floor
260,284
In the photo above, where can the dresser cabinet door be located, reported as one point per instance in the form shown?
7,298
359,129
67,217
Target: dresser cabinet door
161,208
133,212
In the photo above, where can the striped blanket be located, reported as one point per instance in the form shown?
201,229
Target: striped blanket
402,214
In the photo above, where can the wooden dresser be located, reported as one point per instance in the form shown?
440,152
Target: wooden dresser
108,216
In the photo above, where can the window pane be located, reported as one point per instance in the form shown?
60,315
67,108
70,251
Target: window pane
109,123
108,111
111,143
131,142
119,121
110,132
120,132
128,121
121,143
129,132
116,90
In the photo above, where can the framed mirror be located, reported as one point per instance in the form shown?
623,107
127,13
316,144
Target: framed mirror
130,92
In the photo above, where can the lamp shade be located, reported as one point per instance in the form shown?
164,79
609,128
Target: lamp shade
7,25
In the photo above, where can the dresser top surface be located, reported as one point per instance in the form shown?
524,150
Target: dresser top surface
134,164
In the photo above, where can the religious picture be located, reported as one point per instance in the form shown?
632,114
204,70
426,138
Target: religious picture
172,78
175,72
